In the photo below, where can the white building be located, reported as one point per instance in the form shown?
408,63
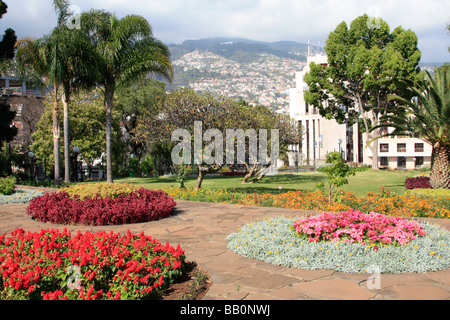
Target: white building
323,135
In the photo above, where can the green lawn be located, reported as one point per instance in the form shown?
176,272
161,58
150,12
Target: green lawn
370,180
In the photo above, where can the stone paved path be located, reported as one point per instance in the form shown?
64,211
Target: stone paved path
201,230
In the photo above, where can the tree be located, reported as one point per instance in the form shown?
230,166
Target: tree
7,130
87,130
125,50
366,64
427,117
260,117
55,61
337,172
130,103
7,43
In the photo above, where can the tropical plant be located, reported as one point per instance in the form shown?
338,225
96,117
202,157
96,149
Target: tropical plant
427,117
125,51
55,61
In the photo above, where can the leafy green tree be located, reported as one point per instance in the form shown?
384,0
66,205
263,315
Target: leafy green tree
366,64
7,130
427,117
125,50
87,130
131,101
9,37
337,171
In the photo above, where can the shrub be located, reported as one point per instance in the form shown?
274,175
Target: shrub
139,206
422,182
20,196
353,226
7,185
102,190
234,173
53,265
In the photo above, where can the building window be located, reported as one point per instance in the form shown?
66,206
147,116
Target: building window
401,147
384,161
419,161
384,147
401,162
418,147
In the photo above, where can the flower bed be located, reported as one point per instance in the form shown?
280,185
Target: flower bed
53,265
20,196
352,226
138,206
382,202
274,241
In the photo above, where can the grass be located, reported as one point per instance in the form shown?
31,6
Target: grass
361,183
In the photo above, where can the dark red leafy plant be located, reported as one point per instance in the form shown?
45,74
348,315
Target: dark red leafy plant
421,182
139,206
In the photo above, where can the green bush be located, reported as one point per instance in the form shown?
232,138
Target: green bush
7,185
430,193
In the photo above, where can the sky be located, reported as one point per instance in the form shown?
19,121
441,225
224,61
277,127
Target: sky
174,21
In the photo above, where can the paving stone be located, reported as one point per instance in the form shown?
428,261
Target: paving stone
269,281
412,292
339,289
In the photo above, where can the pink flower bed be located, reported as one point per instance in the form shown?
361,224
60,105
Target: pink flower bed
354,226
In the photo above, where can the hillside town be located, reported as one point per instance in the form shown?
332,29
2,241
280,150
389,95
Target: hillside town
265,81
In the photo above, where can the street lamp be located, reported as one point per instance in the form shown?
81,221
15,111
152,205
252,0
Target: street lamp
131,165
340,141
76,150
30,176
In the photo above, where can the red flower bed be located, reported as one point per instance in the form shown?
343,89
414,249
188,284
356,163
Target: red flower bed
422,182
53,265
140,206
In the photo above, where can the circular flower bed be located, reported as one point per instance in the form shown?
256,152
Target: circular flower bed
20,196
52,265
137,206
277,241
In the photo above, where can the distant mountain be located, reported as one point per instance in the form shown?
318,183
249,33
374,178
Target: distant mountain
241,50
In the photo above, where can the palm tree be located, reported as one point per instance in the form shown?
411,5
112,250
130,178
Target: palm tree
57,61
125,51
34,62
427,117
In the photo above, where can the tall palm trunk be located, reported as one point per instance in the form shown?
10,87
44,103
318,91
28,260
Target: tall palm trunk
440,167
56,140
65,101
109,96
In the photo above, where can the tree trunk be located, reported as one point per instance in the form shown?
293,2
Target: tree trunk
201,175
109,95
56,141
65,101
440,167
374,148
